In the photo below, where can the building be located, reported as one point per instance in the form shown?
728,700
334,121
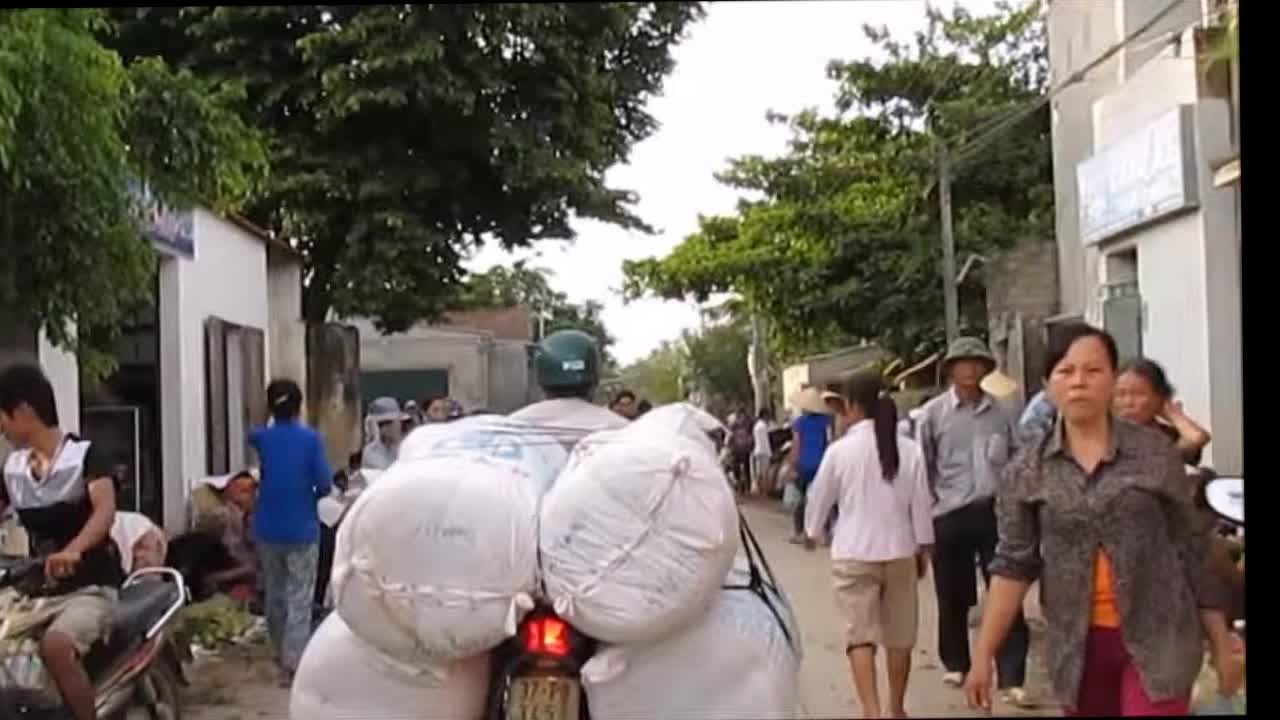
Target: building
192,367
818,370
480,358
1148,242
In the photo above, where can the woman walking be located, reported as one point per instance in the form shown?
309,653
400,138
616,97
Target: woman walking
1097,510
882,537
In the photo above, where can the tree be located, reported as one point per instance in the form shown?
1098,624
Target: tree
841,237
520,284
404,136
717,362
77,125
659,377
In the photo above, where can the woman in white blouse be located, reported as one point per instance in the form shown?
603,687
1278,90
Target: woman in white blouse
882,538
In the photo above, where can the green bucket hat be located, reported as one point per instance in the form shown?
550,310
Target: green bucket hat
968,348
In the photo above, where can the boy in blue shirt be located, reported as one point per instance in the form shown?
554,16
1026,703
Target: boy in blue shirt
295,475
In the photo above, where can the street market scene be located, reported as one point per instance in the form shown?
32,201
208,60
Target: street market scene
605,361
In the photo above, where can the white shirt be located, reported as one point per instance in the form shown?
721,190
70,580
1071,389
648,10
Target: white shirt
377,455
761,433
879,521
569,419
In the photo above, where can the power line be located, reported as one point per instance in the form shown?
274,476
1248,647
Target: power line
1015,115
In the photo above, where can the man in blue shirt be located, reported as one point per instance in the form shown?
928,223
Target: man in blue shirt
295,475
810,434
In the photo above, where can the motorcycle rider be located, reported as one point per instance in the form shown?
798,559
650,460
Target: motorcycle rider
567,364
63,492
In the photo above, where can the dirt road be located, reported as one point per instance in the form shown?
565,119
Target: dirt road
241,684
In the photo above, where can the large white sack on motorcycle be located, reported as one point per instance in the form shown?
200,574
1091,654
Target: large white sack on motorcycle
343,678
736,662
439,561
491,436
637,534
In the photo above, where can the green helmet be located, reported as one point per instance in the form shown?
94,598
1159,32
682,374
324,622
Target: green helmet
568,359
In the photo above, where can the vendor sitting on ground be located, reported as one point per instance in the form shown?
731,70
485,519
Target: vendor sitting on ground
223,510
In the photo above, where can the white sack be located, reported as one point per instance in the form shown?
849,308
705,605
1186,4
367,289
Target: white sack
342,678
492,436
438,560
733,663
637,534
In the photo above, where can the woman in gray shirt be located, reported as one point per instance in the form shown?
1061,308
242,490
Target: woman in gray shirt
1097,510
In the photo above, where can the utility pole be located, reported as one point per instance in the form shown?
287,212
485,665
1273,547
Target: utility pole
951,303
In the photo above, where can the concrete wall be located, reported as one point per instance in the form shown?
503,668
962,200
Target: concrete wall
510,385
333,388
287,333
1188,269
1023,281
463,354
226,279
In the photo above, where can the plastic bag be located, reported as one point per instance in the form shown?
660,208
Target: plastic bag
791,497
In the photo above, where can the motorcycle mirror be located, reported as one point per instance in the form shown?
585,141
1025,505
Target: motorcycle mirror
1225,497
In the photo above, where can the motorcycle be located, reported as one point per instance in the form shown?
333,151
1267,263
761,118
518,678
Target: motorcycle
136,668
536,673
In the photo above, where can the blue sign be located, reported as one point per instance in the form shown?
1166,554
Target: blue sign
171,231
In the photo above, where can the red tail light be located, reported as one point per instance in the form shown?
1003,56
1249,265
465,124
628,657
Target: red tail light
548,636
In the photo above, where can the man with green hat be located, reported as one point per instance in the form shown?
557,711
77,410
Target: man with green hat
967,437
567,364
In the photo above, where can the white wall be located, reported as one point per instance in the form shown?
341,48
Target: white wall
287,334
63,371
227,279
1188,266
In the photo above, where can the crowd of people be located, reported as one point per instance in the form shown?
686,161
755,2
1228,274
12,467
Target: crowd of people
1088,493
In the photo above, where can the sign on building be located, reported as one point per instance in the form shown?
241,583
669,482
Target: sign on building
1146,176
171,231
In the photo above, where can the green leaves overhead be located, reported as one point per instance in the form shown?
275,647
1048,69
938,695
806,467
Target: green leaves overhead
76,124
404,136
842,240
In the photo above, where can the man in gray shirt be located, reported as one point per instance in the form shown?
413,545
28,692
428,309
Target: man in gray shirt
967,437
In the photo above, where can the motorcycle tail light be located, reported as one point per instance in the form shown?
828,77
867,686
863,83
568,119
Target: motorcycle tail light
547,636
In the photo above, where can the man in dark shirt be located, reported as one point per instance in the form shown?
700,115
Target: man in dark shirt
63,493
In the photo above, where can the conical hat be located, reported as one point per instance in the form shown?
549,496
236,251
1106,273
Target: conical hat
809,400
999,385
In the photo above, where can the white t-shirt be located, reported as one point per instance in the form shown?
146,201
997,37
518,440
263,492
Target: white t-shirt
879,521
569,419
761,433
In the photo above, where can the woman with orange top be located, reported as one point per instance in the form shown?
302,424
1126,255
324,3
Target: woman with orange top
1097,510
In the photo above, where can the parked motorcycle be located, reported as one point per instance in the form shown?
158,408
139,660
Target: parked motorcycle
136,668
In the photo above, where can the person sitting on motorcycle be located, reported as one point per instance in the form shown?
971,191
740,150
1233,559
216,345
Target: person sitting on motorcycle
62,490
567,364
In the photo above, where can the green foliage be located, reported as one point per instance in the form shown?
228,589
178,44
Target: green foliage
841,240
519,284
404,136
658,377
716,358
75,125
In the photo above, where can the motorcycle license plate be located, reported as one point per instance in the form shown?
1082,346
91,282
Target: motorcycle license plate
544,698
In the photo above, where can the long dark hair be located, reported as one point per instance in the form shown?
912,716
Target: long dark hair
866,390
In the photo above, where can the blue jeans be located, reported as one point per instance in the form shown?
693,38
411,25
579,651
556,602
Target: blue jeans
289,578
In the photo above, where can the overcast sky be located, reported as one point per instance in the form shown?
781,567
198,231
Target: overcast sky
742,60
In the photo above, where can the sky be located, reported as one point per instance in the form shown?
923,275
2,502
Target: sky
743,60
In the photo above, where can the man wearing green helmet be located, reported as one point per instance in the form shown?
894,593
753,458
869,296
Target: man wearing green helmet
567,364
